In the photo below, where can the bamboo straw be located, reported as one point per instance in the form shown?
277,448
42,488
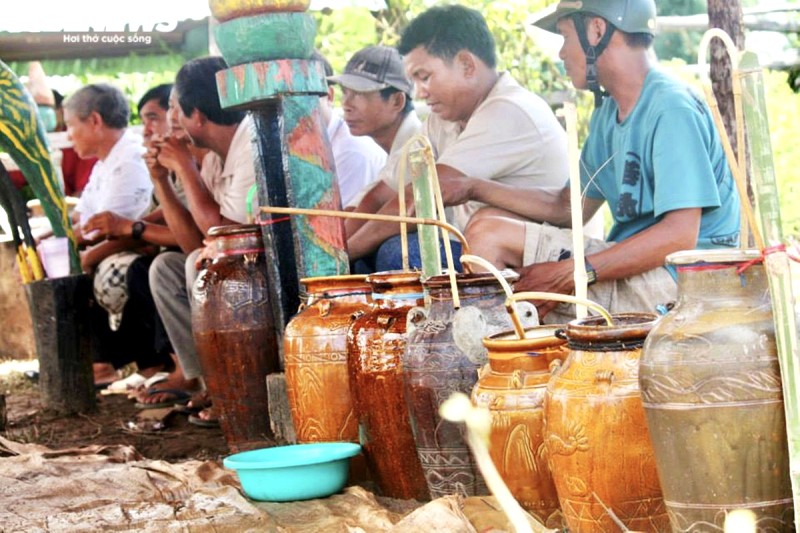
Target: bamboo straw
737,166
401,199
533,295
368,216
776,259
458,408
570,114
519,329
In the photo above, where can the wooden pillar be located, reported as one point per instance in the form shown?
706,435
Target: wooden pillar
295,164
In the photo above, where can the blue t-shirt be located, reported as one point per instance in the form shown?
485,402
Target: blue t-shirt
665,155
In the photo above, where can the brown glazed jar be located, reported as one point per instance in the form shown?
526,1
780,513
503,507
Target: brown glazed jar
711,386
315,355
375,343
595,429
235,335
444,353
512,387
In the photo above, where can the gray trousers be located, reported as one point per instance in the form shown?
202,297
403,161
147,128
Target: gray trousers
172,275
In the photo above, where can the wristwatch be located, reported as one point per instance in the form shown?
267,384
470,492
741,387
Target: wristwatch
591,273
137,229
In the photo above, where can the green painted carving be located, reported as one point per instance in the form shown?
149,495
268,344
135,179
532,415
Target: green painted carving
266,37
311,183
23,137
243,85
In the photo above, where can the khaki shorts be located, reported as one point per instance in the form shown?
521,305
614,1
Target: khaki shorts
637,294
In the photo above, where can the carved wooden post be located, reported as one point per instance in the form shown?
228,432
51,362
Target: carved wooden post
268,45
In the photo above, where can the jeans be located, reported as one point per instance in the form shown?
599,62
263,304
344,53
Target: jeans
390,254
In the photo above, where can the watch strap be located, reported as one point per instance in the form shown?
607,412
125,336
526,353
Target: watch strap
591,273
137,229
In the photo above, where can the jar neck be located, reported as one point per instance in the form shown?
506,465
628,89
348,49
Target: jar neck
238,244
340,288
721,281
627,332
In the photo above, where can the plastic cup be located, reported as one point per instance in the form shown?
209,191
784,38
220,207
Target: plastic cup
54,253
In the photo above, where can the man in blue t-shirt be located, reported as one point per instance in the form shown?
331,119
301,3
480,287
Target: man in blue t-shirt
652,153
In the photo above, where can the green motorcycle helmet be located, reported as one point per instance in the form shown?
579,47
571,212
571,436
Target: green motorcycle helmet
630,16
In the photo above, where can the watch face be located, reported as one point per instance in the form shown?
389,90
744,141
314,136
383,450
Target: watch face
137,229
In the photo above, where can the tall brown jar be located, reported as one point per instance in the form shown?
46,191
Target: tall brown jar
315,352
711,387
512,387
235,334
445,350
595,430
376,342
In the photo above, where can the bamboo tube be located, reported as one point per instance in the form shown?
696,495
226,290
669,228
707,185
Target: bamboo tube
533,295
519,329
570,114
368,216
776,259
737,166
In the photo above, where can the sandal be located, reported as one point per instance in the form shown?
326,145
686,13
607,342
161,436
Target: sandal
199,401
178,397
208,422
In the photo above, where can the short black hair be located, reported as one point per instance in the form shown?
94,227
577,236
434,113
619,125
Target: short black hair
105,99
446,30
196,86
389,91
638,40
159,93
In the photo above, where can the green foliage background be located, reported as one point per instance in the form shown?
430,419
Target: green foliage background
341,32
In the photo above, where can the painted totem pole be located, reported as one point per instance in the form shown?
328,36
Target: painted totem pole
268,45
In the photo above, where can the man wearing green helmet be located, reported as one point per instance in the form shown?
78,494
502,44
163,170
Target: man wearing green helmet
653,153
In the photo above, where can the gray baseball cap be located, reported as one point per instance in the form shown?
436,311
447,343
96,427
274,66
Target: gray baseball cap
372,69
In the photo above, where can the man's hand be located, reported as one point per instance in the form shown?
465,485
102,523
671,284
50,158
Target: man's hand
554,277
173,153
109,225
456,189
206,255
156,169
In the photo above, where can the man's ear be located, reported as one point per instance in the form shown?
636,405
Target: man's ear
198,117
466,62
398,100
330,94
94,119
595,29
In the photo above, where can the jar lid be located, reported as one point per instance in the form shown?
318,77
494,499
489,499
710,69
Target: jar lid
719,255
233,229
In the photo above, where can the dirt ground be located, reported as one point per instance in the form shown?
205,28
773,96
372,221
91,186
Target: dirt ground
113,422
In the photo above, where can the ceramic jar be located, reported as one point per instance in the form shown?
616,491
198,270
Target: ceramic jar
235,334
375,343
711,387
600,451
445,350
512,387
315,352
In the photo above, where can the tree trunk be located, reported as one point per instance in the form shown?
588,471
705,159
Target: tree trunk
726,15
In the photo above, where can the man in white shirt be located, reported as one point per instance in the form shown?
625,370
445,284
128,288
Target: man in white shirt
358,159
376,99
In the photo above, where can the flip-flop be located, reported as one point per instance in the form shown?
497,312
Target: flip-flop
199,401
203,422
179,396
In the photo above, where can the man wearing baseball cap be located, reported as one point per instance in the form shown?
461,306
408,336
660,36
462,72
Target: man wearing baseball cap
484,127
653,153
376,100
358,159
